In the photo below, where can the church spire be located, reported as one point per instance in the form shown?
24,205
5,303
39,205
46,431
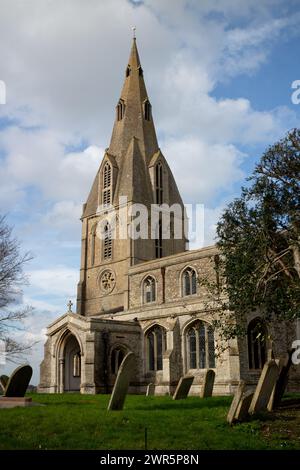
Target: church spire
134,59
133,113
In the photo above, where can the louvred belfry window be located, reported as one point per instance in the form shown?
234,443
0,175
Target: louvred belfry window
158,240
147,110
107,185
159,183
120,109
107,242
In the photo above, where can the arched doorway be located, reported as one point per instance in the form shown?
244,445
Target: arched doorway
72,365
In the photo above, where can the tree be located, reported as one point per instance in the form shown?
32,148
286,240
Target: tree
259,243
12,278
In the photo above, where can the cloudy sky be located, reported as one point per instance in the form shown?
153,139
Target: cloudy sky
219,76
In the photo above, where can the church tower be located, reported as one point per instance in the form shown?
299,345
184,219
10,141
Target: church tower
133,172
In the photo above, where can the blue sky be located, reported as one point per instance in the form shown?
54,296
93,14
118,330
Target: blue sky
219,77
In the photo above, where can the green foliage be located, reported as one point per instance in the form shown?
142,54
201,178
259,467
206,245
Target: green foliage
259,243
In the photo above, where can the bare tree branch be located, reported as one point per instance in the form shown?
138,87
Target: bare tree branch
12,278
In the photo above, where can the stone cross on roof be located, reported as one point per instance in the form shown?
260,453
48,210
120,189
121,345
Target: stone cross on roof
70,305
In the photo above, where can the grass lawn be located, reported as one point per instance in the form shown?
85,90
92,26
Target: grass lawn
74,421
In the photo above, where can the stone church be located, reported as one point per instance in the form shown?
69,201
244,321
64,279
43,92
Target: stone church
142,294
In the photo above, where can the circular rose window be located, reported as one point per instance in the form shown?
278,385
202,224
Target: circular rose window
107,281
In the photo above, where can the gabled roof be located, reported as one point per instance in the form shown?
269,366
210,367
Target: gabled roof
90,208
134,181
174,195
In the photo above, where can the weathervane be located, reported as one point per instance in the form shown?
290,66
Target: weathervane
134,30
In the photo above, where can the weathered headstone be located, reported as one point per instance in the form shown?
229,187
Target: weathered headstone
235,402
283,379
208,383
18,382
120,389
3,382
280,363
150,390
242,411
264,387
183,387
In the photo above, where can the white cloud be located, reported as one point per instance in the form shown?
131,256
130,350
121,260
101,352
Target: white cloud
203,170
59,281
63,222
10,194
228,8
62,214
247,48
38,159
191,109
40,306
71,71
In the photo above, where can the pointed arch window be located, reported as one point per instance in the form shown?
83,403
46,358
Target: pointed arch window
159,183
120,109
158,239
149,290
107,185
172,228
128,70
200,344
156,346
107,241
147,110
257,344
189,282
76,365
93,243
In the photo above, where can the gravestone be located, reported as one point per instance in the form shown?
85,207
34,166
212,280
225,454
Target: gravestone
235,402
120,389
3,382
183,387
280,363
242,411
18,382
208,383
150,390
264,388
283,379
